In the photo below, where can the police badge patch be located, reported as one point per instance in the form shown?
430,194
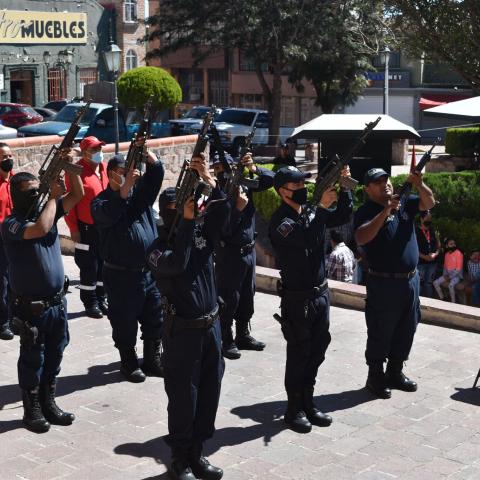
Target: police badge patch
200,241
154,256
286,227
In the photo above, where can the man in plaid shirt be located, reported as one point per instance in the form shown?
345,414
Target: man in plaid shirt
341,262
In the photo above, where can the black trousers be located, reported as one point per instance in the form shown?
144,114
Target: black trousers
133,298
236,285
194,369
392,313
4,306
88,260
308,340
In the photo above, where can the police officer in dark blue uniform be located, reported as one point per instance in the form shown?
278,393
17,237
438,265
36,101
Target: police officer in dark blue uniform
39,308
124,218
299,249
236,260
386,231
193,359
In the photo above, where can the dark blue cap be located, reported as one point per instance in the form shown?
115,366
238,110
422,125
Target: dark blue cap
228,158
289,174
118,160
167,196
374,174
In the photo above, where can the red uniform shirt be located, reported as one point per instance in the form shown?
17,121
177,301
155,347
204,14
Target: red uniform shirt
5,198
93,185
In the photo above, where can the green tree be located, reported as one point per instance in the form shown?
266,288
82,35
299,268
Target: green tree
137,85
442,30
277,33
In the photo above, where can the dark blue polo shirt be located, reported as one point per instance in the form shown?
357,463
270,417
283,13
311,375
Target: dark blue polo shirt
395,248
35,266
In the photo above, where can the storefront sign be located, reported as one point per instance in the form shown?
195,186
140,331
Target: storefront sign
22,27
396,79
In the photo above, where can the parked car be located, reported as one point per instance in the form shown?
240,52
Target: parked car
56,105
98,121
191,119
16,115
46,113
7,132
234,124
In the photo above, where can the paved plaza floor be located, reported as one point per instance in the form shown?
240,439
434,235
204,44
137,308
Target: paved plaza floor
431,434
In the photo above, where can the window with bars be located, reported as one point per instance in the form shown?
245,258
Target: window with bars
130,7
57,84
251,100
86,76
247,64
131,60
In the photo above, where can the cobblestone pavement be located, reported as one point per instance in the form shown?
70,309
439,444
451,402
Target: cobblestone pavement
431,434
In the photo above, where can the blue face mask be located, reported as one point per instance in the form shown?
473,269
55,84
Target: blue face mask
97,157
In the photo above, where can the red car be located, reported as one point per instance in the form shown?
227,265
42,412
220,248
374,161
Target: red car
17,115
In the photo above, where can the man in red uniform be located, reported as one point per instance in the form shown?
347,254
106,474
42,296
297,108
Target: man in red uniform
6,165
83,233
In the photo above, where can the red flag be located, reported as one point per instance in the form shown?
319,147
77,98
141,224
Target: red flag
413,162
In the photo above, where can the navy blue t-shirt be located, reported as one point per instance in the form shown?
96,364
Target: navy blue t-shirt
35,266
395,248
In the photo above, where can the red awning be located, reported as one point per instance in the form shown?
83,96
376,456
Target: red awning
430,101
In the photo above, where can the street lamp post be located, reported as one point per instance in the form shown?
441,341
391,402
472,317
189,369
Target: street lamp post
385,61
112,61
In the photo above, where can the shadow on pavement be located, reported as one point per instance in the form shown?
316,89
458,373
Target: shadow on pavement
467,395
333,402
97,376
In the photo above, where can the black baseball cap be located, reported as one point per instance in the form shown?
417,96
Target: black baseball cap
374,174
289,174
118,160
228,158
169,195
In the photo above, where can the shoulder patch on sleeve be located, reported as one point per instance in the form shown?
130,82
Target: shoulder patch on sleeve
154,256
286,227
14,226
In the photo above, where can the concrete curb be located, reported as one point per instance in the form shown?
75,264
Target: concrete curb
436,312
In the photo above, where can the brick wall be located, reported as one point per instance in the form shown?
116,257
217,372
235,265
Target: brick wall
30,153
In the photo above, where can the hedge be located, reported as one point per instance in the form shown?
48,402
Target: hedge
462,142
457,213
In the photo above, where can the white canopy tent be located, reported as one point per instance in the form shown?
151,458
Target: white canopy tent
469,109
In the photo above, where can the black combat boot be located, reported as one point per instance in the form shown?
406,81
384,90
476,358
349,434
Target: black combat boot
314,415
180,466
152,358
201,467
396,378
53,413
5,332
295,417
229,348
129,367
33,417
90,302
102,299
244,340
376,381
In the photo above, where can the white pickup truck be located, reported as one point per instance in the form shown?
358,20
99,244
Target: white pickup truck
234,124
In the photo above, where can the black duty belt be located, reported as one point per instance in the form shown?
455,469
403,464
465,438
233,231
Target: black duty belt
243,249
121,268
85,226
303,294
46,302
405,275
205,321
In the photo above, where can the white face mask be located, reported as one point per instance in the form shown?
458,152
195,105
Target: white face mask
97,157
118,179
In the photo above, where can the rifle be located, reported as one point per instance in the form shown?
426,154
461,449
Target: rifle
331,173
189,182
238,178
137,145
55,163
406,188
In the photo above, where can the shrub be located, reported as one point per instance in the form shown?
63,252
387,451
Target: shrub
462,141
136,86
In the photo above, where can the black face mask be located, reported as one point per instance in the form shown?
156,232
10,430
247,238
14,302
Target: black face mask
7,165
428,223
451,249
23,201
222,179
168,217
299,196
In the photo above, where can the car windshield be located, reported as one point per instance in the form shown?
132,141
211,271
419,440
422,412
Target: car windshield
236,116
28,111
196,113
67,114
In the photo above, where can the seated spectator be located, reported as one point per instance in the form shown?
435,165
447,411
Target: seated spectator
473,268
285,157
341,262
429,249
452,270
